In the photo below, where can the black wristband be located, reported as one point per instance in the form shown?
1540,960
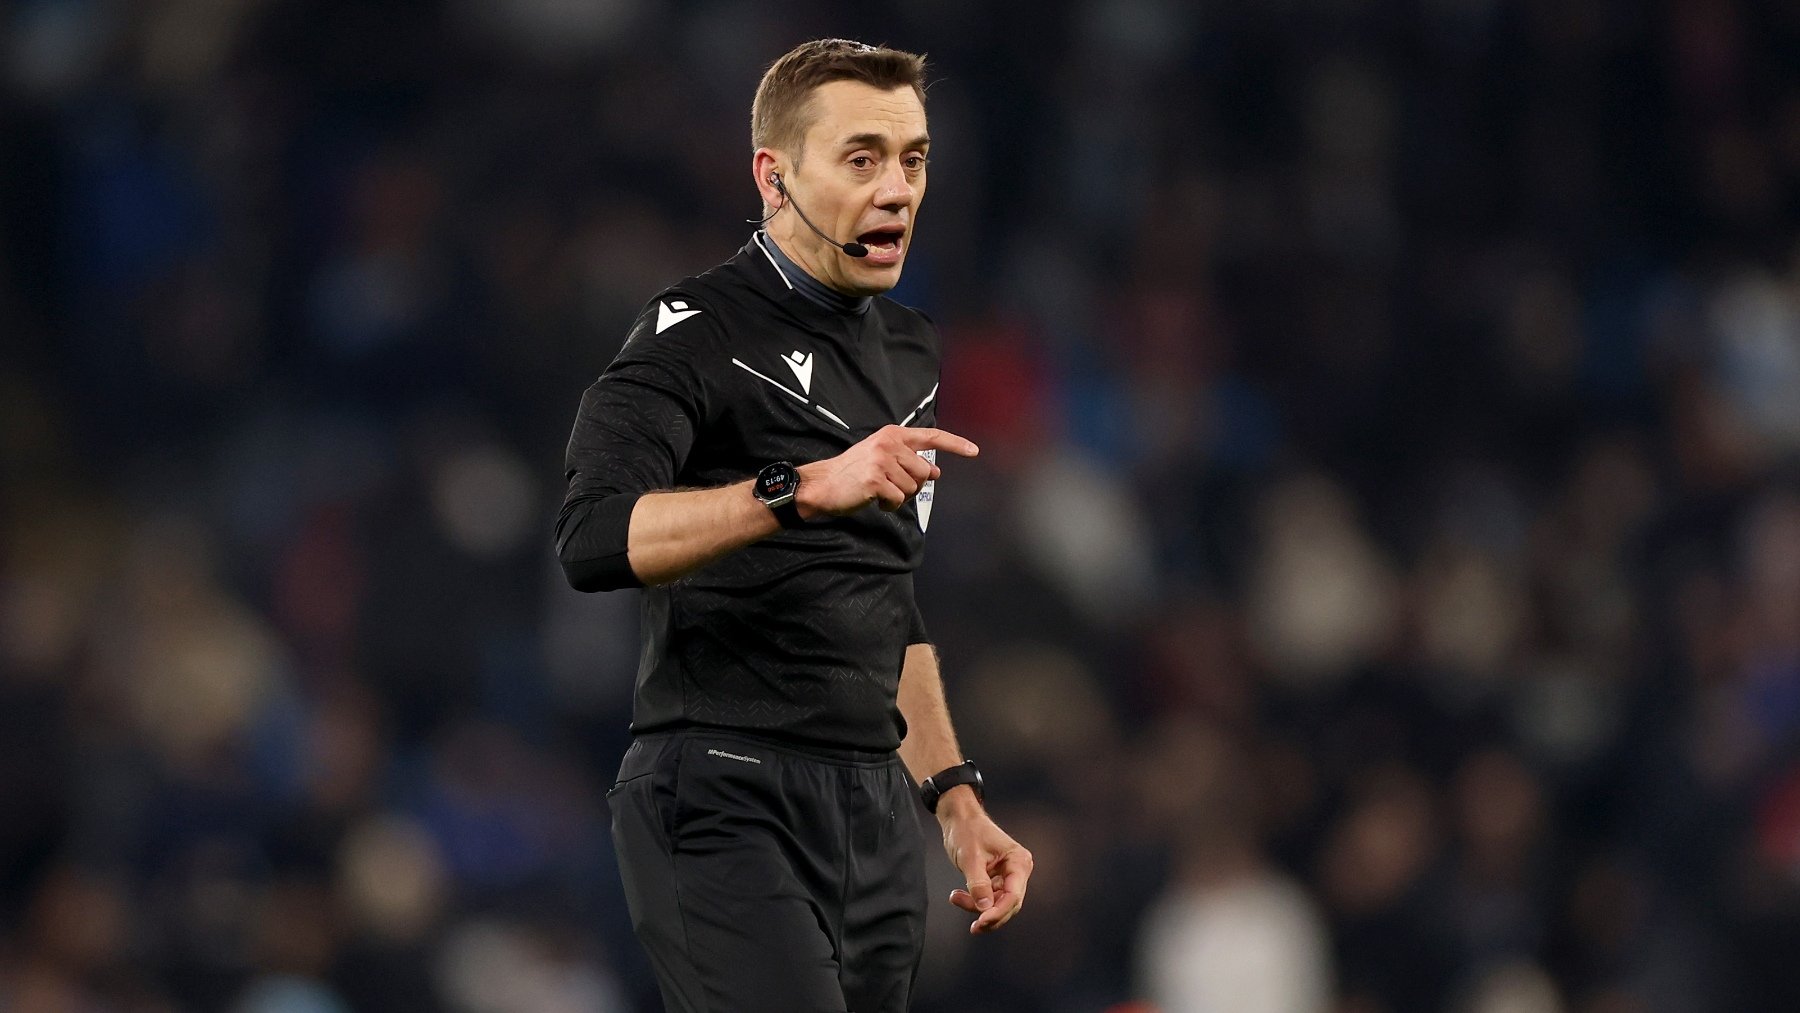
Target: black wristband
789,515
934,786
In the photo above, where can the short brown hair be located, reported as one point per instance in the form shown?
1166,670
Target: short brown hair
779,118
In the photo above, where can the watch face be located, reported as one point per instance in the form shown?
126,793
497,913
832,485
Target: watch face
777,483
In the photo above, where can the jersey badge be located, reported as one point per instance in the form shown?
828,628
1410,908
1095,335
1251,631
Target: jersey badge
922,499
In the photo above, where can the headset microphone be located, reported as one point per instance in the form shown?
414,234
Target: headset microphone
853,249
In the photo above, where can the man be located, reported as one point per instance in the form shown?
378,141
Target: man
760,457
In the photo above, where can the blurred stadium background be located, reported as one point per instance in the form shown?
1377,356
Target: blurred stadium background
1380,591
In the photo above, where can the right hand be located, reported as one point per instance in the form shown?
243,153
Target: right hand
884,468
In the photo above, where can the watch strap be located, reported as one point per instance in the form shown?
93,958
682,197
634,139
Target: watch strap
789,515
933,787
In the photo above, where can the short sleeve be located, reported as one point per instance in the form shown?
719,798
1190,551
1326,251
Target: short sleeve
916,632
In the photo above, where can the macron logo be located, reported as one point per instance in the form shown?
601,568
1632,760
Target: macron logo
802,365
670,313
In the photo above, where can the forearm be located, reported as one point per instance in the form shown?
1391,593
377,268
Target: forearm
673,534
930,745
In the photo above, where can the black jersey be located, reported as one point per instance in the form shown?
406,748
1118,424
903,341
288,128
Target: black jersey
800,635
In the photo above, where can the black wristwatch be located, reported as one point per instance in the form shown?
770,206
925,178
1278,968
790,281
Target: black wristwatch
775,487
934,786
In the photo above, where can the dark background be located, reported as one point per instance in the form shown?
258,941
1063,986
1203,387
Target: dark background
1379,591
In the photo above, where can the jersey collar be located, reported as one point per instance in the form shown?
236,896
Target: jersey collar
805,285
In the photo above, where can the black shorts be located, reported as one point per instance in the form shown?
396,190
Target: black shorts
767,877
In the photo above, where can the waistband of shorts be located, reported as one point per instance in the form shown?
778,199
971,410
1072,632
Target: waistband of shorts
837,755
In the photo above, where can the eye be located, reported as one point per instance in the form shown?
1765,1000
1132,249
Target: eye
862,161
915,162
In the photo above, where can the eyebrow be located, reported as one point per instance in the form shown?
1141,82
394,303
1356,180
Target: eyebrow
875,141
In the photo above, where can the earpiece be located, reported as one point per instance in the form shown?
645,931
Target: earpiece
774,180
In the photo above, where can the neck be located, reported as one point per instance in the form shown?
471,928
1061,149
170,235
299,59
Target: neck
808,284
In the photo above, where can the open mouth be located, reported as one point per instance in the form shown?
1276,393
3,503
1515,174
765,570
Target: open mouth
885,239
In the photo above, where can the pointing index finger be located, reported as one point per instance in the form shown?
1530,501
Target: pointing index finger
938,439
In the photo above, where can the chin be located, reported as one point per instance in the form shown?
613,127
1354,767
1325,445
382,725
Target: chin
872,280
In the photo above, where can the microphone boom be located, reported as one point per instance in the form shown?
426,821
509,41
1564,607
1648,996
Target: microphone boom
854,249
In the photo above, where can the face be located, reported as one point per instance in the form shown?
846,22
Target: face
861,179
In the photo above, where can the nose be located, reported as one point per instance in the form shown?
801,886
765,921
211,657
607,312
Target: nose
893,191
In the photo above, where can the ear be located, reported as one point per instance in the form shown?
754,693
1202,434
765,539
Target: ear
765,168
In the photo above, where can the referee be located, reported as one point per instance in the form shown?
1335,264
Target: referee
760,457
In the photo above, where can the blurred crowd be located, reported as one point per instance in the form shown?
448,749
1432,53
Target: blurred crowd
1379,591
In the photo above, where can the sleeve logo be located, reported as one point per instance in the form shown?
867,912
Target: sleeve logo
670,313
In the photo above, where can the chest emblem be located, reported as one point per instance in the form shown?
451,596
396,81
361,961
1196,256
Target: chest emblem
805,380
802,365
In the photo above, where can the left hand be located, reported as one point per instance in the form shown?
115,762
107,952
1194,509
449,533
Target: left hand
994,866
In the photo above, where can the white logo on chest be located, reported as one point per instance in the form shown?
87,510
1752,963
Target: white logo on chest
801,364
